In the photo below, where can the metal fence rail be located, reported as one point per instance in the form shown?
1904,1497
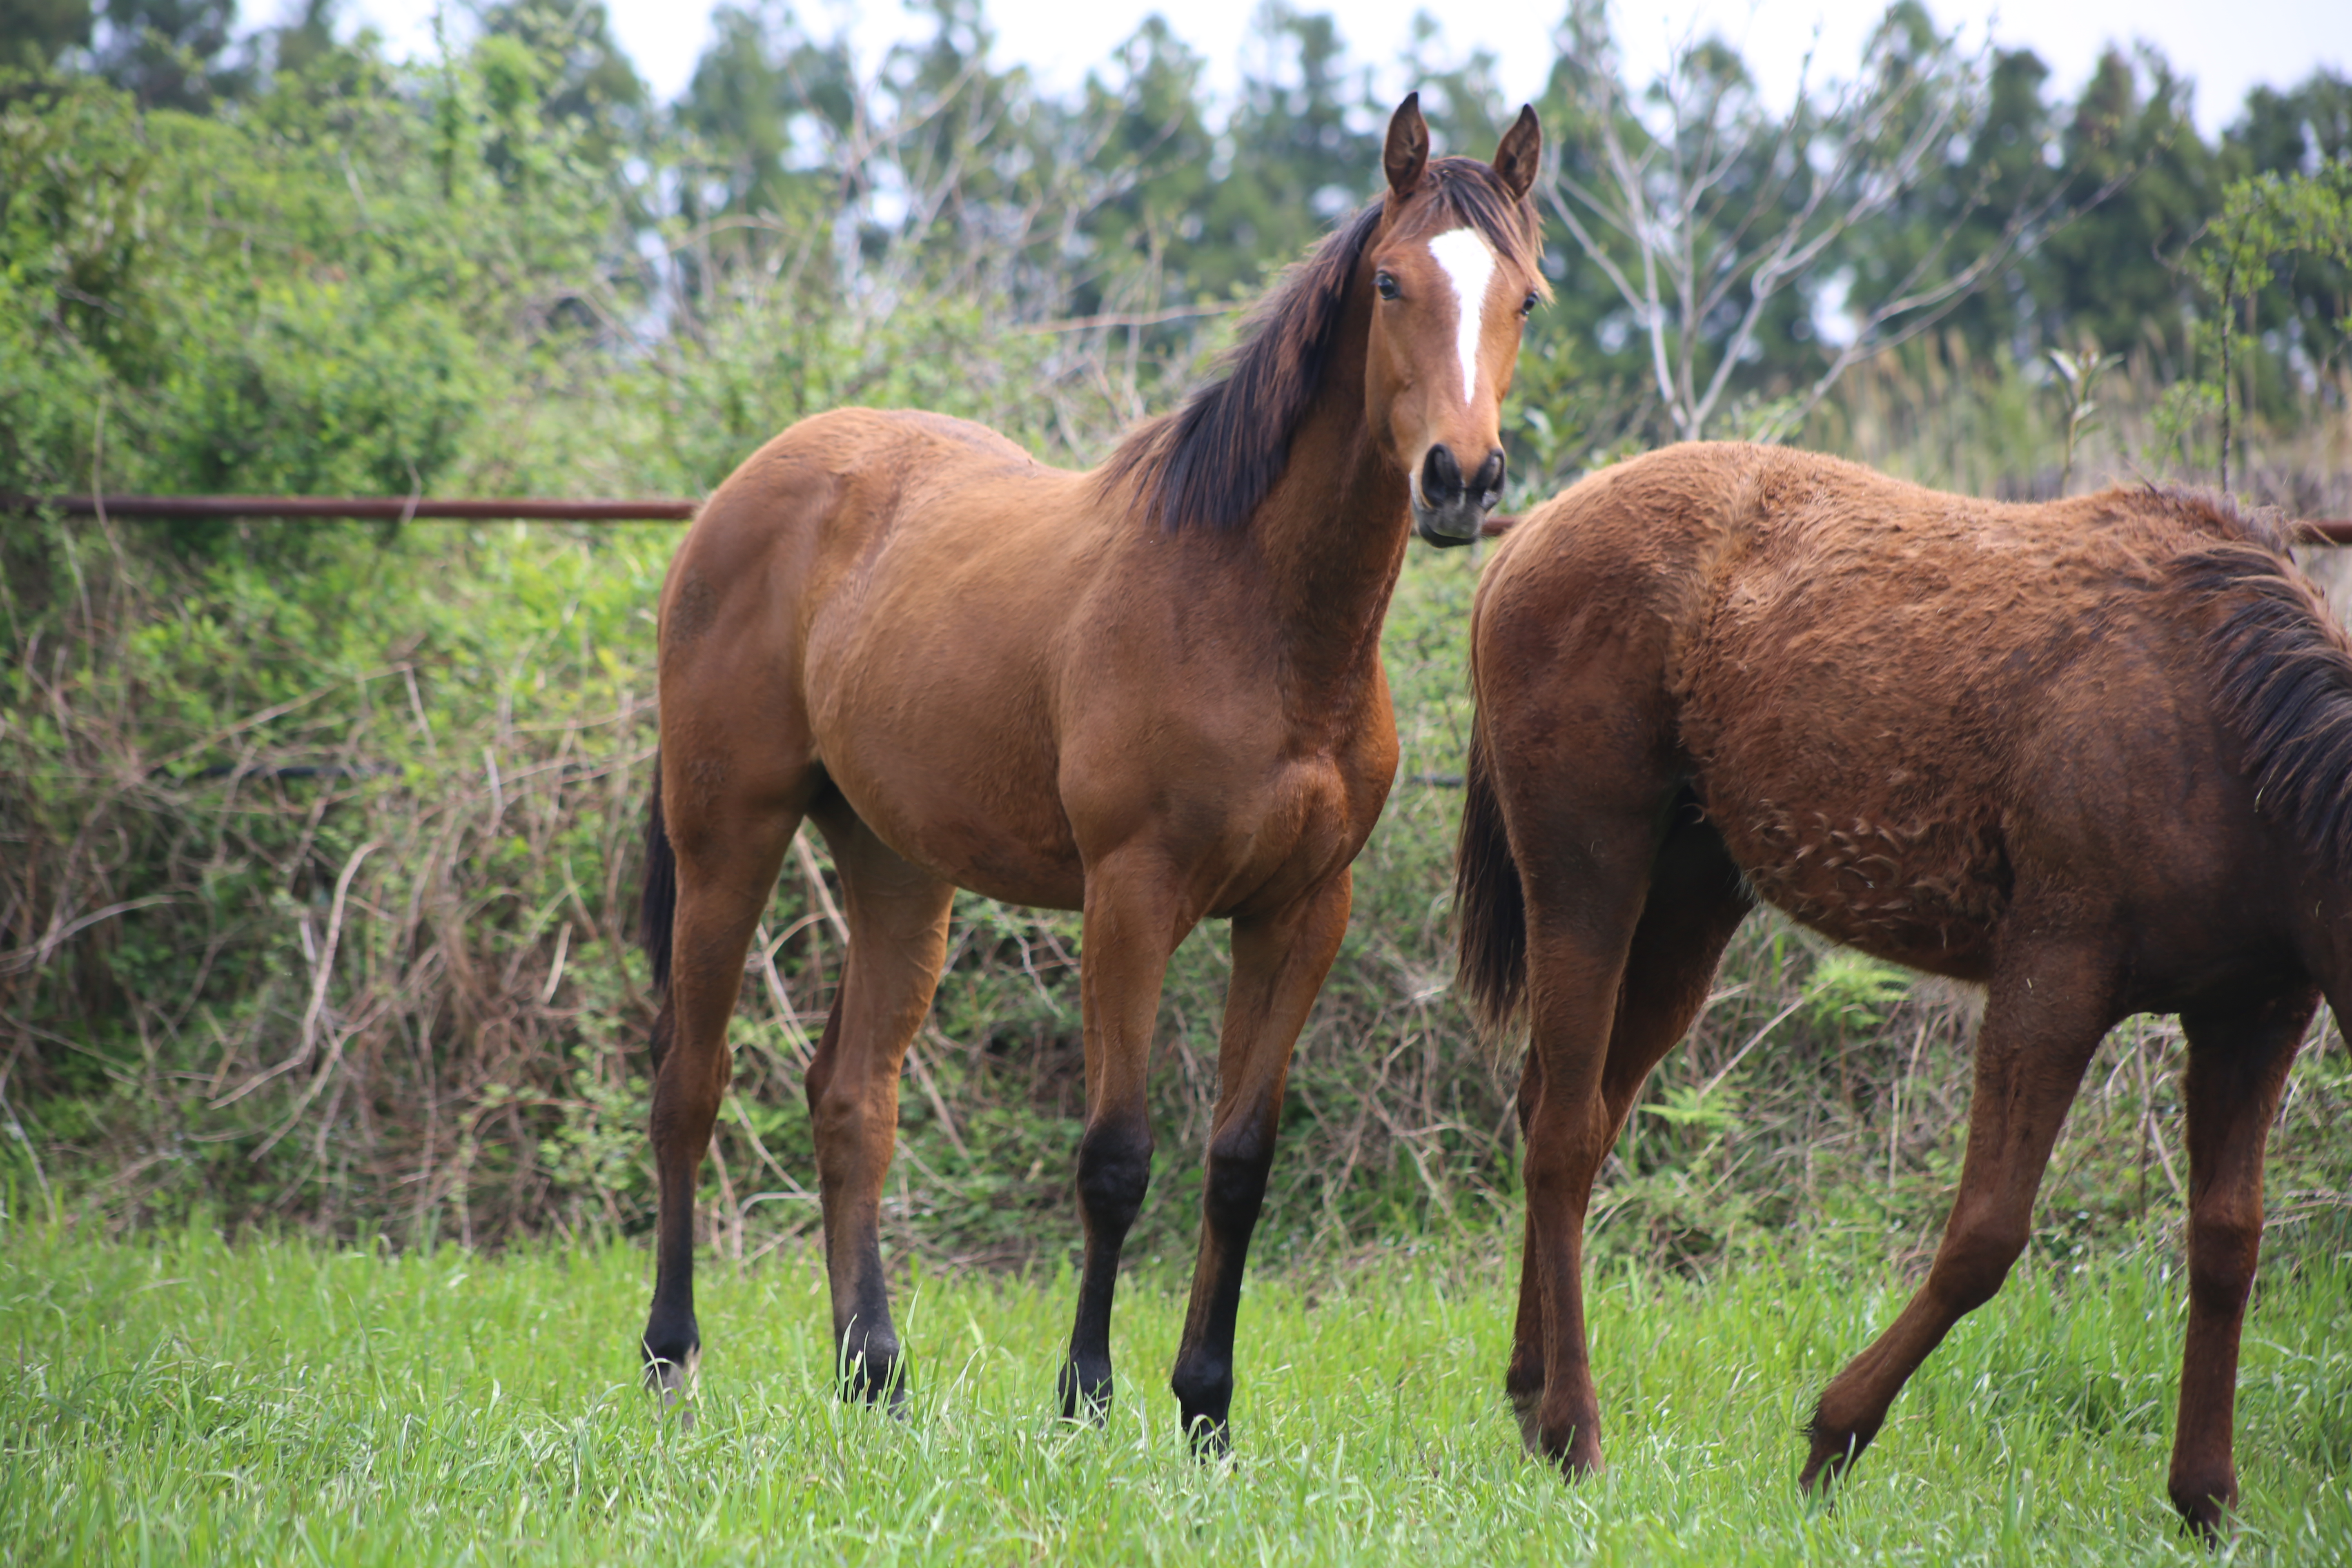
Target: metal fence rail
364,508
655,509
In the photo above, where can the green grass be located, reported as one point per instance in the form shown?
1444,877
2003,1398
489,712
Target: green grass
177,1399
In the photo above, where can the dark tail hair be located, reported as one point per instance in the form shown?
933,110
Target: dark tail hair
2283,675
1490,910
659,907
658,912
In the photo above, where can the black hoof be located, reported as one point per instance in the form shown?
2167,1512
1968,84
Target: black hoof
671,1376
1525,1409
876,1376
1826,1465
1211,1436
1084,1396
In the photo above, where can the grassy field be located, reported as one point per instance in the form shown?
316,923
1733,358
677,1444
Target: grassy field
181,1400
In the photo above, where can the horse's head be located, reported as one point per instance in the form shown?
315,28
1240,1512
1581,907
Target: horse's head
1454,266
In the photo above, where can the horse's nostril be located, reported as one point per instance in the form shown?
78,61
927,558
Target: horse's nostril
1441,476
1488,482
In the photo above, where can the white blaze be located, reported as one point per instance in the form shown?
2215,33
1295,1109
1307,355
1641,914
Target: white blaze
1469,262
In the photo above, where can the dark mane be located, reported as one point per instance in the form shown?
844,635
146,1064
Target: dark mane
2282,673
1212,462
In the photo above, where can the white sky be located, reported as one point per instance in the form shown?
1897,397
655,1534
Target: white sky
2226,45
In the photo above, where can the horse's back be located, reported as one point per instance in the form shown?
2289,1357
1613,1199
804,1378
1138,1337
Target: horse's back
1891,700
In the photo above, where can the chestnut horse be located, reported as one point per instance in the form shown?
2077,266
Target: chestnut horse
2093,754
1151,692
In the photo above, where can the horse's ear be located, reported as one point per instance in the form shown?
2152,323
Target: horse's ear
1407,153
1522,149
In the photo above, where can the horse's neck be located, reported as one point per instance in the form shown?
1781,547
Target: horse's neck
1330,539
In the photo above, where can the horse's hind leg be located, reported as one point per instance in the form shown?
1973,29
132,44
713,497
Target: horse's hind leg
1695,900
2237,1070
1279,963
2048,1010
898,918
730,841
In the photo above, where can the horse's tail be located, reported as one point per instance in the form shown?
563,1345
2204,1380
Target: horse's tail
657,912
2281,674
1490,910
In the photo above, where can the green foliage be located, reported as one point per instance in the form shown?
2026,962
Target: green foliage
2078,377
35,32
168,54
317,845
2265,221
1852,993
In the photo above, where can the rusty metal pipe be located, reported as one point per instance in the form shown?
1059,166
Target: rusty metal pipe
364,508
657,509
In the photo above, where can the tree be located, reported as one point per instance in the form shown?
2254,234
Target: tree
765,102
2266,220
1296,152
167,53
2105,278
1720,228
35,33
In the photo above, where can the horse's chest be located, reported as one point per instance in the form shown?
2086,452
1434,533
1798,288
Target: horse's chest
1298,833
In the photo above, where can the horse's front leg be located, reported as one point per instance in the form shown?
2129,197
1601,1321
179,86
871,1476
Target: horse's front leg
1279,963
1133,920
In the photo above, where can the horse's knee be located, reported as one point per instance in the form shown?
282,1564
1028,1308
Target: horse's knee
1114,1172
835,1112
683,1110
844,1113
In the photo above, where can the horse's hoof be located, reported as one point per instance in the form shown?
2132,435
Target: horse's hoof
2205,1509
1580,1463
1524,1408
1827,1464
1210,1437
880,1380
1084,1397
674,1382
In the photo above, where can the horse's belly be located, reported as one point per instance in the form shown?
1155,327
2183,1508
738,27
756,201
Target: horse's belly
1905,880
984,817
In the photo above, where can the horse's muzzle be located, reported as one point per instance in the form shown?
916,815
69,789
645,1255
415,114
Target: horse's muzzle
1447,509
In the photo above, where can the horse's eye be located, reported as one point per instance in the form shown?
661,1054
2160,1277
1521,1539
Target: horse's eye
1528,305
1386,284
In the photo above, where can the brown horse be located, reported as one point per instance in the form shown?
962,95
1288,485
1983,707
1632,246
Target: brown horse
1151,692
2092,754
